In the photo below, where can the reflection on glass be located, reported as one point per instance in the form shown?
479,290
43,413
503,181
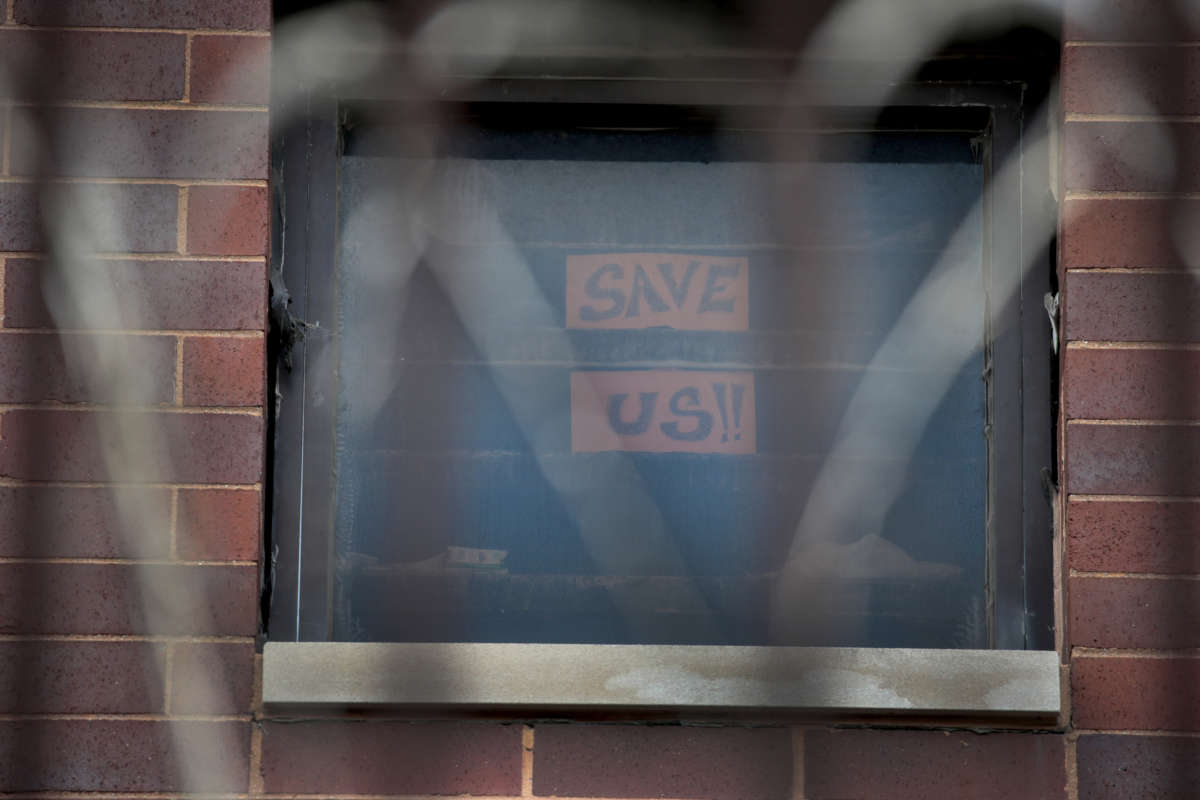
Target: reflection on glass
586,388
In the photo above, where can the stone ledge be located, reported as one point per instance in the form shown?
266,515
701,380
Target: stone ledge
479,676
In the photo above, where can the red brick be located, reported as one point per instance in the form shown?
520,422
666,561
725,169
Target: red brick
1133,307
227,220
231,69
88,598
169,295
1114,767
640,761
35,369
219,524
127,218
1136,693
1133,459
81,677
19,223
223,371
144,143
170,447
1134,537
78,522
232,14
212,678
124,756
1130,21
1131,80
1132,384
1123,232
1131,156
1155,613
356,757
95,65
924,764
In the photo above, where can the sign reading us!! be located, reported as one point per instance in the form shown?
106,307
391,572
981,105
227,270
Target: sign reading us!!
662,411
647,290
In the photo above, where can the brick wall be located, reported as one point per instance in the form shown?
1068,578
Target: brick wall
1130,381
107,682
104,690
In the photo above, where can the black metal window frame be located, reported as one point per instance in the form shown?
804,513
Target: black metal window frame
1021,437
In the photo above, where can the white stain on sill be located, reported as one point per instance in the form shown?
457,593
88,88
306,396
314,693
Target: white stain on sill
674,685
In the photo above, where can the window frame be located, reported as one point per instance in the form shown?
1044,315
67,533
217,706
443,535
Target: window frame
302,667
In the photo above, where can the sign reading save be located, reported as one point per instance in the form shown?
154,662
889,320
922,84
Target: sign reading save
647,290
662,411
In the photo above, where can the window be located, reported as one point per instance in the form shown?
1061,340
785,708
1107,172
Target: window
645,383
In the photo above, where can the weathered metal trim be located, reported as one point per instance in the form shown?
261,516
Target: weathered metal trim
977,683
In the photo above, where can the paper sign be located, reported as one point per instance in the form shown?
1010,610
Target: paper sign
646,290
662,411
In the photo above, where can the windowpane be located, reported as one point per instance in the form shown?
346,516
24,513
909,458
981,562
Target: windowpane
590,382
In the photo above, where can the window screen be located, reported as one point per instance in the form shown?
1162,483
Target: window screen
586,383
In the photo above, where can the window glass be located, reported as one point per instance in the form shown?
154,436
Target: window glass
588,383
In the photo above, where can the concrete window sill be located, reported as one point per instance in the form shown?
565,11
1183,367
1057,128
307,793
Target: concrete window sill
541,678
